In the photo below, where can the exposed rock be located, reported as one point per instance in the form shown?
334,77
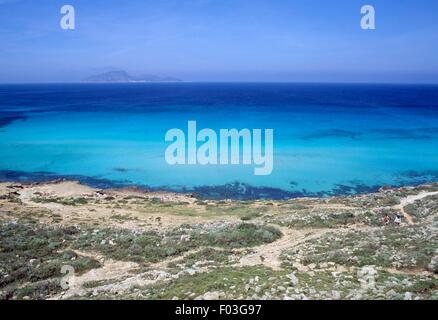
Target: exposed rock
214,295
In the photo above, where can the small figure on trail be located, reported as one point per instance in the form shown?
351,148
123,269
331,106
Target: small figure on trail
387,219
397,220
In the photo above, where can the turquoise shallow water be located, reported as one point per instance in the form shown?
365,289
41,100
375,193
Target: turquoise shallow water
328,139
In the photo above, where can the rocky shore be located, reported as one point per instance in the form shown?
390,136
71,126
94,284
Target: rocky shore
129,244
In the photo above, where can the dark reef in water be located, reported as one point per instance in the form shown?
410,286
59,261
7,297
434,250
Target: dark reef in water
40,177
380,134
7,118
242,191
417,177
354,187
407,134
233,191
333,133
121,170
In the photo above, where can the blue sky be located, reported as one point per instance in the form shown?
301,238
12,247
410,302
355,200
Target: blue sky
221,40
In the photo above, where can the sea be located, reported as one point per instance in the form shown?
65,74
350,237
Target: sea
329,139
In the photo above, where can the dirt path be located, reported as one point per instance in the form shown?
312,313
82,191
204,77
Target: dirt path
118,277
114,277
409,200
269,254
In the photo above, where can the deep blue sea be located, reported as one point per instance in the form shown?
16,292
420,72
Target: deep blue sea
328,138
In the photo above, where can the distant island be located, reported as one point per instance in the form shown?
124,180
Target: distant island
124,77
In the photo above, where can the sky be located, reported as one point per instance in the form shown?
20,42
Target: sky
221,40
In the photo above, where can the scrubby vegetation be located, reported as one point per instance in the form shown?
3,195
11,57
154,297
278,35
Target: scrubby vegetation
64,201
421,210
34,254
408,247
143,245
206,256
150,247
260,282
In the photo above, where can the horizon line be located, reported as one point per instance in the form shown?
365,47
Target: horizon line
223,82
